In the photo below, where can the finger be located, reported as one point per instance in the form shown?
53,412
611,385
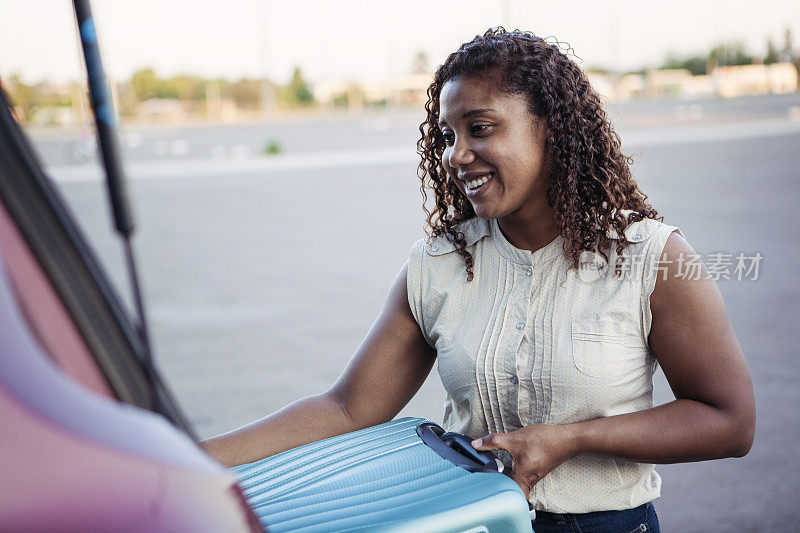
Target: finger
492,441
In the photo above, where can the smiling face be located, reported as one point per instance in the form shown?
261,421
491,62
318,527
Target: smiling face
495,149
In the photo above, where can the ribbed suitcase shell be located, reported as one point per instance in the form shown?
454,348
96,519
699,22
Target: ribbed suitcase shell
379,479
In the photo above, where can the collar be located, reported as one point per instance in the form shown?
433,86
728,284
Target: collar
636,231
477,228
545,254
473,229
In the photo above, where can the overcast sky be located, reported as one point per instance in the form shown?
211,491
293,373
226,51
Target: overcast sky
365,38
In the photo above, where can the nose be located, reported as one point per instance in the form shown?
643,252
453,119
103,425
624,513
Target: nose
459,154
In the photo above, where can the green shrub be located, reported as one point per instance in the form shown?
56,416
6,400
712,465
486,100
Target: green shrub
273,147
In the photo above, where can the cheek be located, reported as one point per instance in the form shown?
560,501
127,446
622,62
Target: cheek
449,171
530,162
444,159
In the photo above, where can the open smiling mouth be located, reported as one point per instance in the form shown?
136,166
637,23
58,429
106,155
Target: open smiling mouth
475,186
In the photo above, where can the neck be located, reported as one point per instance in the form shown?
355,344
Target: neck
532,229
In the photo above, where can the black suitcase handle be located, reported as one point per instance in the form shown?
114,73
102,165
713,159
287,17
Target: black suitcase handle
457,449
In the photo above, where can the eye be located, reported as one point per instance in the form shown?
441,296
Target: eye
448,137
479,128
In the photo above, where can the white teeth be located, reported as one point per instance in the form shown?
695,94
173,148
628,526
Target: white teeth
474,184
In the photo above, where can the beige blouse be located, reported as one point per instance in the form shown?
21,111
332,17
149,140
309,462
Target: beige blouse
531,341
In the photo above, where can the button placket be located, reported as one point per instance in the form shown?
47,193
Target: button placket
523,400
522,306
534,365
522,365
526,400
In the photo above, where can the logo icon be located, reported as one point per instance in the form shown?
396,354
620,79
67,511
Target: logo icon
591,266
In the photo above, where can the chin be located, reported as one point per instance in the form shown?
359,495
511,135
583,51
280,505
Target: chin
485,211
481,213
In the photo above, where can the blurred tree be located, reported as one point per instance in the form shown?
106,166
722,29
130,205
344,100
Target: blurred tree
145,84
772,53
341,100
299,92
729,54
47,95
22,96
598,70
184,87
695,64
721,55
787,52
28,99
790,54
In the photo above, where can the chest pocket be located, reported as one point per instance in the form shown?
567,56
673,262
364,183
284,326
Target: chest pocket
603,348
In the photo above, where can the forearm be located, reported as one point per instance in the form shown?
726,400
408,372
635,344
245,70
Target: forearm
680,431
307,420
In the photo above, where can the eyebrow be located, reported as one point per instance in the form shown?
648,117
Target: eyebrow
469,114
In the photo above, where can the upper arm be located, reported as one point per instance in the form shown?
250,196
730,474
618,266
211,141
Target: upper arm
389,366
693,340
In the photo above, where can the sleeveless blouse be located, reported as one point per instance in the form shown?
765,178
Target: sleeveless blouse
532,341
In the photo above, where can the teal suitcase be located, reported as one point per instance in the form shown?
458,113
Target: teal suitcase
400,476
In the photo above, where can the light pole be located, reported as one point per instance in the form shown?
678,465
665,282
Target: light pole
267,87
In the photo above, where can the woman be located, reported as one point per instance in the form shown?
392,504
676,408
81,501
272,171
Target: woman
548,291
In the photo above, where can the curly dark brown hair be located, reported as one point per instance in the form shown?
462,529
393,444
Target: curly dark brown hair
590,181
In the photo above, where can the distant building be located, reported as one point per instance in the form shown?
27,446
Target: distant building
725,82
603,84
667,82
338,93
53,116
755,79
631,86
410,89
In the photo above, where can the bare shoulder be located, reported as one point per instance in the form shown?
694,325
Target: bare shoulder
685,300
683,283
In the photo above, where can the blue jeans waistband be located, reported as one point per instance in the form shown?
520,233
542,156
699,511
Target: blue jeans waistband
638,519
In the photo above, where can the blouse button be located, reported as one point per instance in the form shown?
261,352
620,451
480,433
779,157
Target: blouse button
520,325
514,380
529,271
434,248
